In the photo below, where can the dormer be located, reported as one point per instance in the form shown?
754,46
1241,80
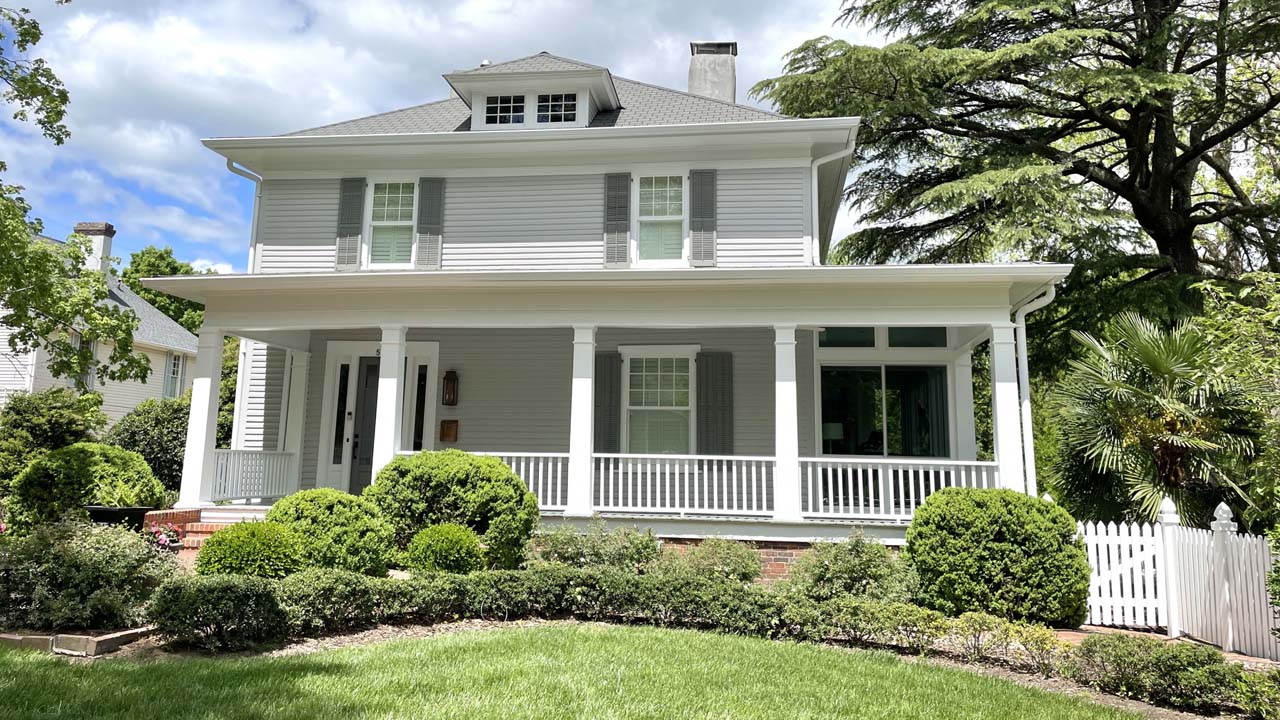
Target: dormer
542,91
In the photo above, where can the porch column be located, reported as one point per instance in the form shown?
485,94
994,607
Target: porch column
786,426
581,421
966,434
1005,416
202,423
386,428
295,409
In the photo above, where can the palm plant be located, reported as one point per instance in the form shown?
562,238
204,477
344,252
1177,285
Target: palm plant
1146,413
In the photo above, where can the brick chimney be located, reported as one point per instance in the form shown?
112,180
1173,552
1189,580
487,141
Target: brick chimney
713,70
99,234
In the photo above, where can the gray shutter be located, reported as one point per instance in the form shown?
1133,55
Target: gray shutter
702,218
350,224
715,403
607,411
430,222
617,219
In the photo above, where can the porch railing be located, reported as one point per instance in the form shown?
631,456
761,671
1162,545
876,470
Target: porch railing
545,474
252,474
875,489
683,484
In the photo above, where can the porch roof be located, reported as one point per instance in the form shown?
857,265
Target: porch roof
1025,280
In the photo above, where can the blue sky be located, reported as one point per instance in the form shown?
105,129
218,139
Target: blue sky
149,79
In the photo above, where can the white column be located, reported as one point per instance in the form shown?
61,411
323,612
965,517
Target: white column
390,413
1005,417
582,421
1024,409
202,424
295,409
966,435
786,425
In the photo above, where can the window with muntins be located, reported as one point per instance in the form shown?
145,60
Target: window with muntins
392,220
558,108
173,375
661,235
659,405
504,110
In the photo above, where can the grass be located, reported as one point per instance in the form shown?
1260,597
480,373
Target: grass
557,671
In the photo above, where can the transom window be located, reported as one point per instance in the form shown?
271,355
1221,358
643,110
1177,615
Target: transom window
558,107
504,110
659,404
661,235
391,236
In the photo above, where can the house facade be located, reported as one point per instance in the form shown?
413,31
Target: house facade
619,289
169,347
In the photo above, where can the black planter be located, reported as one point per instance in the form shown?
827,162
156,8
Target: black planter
133,517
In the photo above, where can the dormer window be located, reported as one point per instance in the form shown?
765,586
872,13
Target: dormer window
558,108
504,110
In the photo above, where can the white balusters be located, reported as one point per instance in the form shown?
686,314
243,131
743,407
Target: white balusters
876,489
252,474
684,484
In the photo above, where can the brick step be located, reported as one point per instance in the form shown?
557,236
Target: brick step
194,534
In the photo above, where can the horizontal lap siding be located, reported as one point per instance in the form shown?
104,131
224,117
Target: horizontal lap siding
511,223
258,416
118,397
760,217
15,368
297,222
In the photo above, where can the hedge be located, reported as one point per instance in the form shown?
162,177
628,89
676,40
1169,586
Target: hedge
262,549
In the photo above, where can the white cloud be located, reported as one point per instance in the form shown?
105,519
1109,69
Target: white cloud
205,264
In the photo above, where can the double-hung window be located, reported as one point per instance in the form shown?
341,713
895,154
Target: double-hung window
661,219
659,401
175,371
392,224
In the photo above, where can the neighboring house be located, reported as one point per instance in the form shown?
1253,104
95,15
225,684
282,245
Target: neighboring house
619,288
169,346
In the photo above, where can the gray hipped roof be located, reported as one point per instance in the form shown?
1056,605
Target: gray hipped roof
642,104
154,327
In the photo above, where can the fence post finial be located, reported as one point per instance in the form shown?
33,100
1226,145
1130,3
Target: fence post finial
1223,519
1047,498
1169,512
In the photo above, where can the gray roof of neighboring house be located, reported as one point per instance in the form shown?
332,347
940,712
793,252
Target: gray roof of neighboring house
154,327
642,104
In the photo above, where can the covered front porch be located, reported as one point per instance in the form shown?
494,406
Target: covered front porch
803,421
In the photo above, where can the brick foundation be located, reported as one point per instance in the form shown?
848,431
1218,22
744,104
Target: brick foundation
776,556
177,517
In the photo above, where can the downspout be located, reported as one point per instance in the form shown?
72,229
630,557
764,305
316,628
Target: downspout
242,374
815,249
257,200
1024,385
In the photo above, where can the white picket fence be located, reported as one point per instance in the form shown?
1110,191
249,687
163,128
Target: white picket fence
1207,584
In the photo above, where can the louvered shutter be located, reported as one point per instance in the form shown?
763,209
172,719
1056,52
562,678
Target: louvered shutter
617,219
607,410
715,403
430,222
346,256
702,218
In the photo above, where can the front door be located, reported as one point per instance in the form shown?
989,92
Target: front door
366,413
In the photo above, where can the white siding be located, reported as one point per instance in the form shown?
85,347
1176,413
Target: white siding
118,398
15,368
497,223
258,403
297,223
760,217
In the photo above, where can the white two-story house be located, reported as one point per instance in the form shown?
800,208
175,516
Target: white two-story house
618,288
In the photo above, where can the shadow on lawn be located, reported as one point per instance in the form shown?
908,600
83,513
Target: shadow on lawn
33,685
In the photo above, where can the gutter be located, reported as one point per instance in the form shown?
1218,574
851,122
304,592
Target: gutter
815,250
257,200
1024,384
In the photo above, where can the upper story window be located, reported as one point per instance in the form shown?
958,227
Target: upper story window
661,232
392,218
558,108
504,110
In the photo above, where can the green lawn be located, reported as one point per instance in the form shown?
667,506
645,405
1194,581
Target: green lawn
558,671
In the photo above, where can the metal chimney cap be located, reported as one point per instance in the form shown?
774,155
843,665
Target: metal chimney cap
707,47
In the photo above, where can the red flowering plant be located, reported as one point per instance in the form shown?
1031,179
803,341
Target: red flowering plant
163,535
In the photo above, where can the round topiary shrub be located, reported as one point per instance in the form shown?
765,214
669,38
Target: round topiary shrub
262,549
451,486
448,548
32,424
156,430
1000,552
63,481
337,530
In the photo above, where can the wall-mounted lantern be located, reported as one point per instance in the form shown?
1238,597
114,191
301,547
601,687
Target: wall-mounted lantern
449,397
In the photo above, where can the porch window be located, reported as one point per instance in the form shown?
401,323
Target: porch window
886,410
659,397
391,235
661,235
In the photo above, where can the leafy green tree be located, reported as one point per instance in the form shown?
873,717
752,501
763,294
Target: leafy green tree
51,299
152,261
1146,413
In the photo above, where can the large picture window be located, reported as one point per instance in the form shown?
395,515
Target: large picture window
659,397
894,410
391,235
661,215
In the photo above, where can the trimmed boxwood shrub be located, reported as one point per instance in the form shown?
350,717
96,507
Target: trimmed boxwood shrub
337,530
74,575
63,481
1000,552
32,424
218,612
263,549
855,566
156,430
716,558
448,548
624,547
451,486
1177,674
321,600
